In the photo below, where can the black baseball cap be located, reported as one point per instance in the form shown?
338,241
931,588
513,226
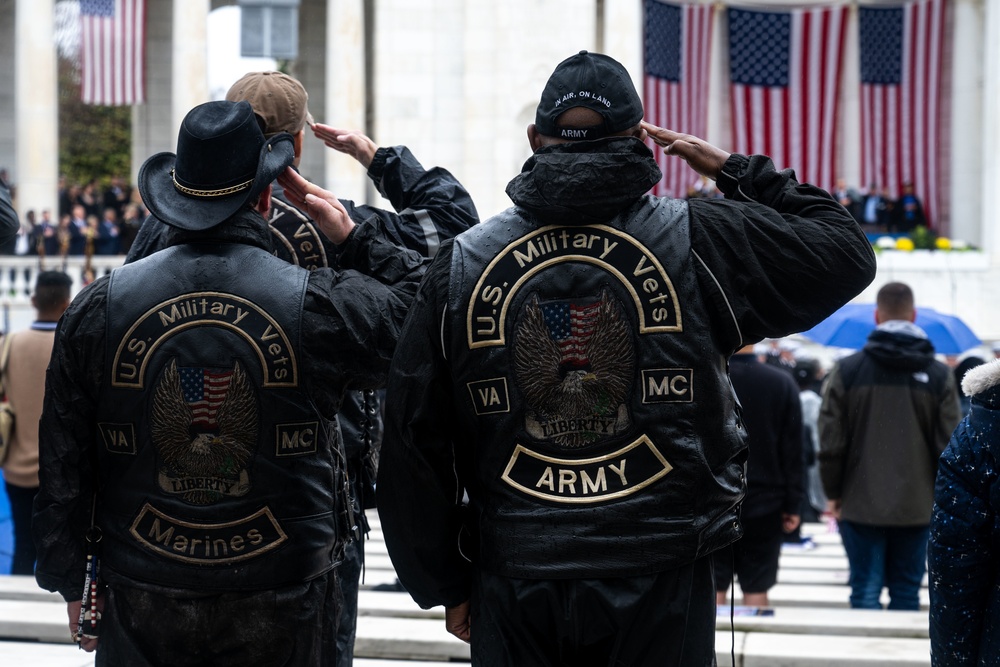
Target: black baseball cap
594,81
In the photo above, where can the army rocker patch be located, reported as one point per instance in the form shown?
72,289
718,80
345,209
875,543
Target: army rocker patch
204,429
574,360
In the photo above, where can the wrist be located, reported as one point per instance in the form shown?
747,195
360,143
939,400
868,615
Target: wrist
377,162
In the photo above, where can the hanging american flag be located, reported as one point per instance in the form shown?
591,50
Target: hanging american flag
678,41
112,52
785,75
901,50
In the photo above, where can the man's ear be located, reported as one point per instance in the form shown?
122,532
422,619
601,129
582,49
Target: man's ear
297,145
534,138
263,205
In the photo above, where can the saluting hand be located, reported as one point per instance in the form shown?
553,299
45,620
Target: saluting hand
351,142
703,157
321,205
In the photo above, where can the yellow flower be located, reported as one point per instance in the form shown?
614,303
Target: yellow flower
904,243
942,243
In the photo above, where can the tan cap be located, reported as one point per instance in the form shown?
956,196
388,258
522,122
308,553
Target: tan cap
277,98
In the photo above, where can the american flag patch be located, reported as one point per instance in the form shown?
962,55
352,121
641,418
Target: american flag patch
571,325
204,390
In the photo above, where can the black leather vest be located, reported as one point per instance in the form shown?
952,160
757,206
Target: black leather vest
603,435
217,472
299,241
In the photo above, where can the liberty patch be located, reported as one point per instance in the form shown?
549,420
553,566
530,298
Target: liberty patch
574,361
204,429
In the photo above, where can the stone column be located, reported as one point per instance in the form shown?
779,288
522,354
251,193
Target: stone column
623,37
8,130
153,128
344,102
967,107
189,80
989,182
310,69
176,74
36,117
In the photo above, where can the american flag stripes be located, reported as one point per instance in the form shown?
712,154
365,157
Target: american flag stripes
112,53
785,71
901,51
677,49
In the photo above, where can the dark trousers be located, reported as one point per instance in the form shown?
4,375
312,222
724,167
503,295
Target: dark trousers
666,618
349,575
288,627
894,557
754,556
21,499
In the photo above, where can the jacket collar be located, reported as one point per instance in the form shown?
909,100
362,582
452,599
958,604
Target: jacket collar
246,227
584,182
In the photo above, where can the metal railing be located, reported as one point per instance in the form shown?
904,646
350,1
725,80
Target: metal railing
18,274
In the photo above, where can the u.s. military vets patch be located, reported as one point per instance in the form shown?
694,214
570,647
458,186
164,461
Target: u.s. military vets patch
574,361
204,429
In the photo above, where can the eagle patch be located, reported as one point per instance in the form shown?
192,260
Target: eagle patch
574,361
204,429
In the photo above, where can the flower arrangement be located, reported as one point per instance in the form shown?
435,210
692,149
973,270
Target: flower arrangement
921,238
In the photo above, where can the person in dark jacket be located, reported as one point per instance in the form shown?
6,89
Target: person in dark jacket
190,414
430,206
770,407
564,366
9,223
886,416
964,546
963,367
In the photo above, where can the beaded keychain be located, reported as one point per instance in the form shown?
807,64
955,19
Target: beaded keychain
91,587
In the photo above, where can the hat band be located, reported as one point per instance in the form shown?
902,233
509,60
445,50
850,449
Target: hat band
210,193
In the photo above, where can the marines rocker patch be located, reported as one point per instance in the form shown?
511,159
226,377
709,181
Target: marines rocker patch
574,361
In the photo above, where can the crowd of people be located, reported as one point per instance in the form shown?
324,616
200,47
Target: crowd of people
90,221
879,212
582,448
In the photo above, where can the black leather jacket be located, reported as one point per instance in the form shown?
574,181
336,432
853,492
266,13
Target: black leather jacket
177,522
430,206
565,364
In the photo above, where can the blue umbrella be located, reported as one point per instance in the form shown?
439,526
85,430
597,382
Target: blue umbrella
850,325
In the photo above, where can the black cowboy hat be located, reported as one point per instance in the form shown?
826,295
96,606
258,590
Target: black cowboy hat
223,162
